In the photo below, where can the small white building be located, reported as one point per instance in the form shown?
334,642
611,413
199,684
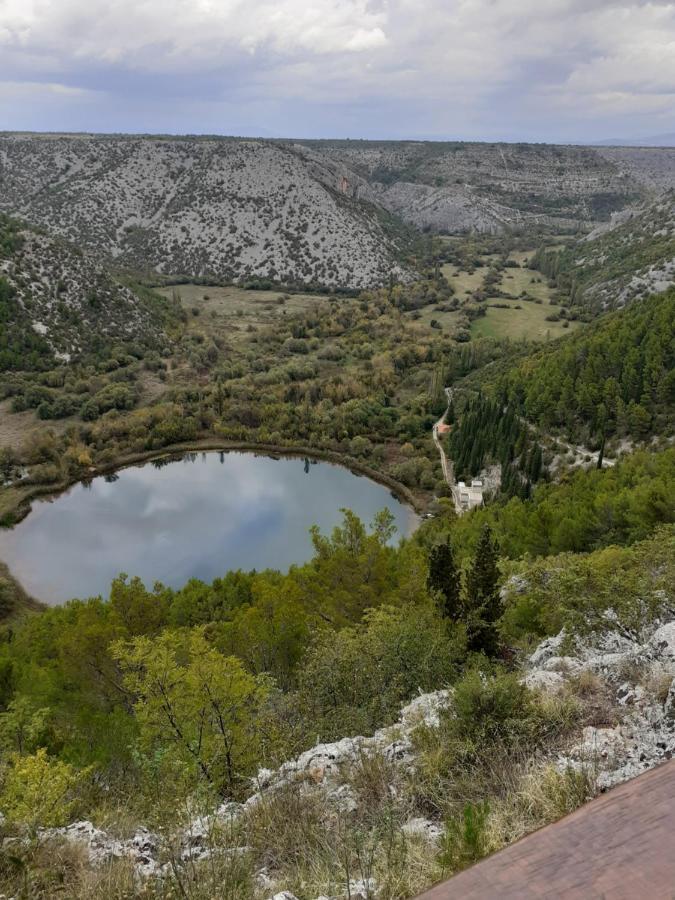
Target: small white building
470,495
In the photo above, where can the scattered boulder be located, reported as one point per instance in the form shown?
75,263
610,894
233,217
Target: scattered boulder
322,765
142,848
645,734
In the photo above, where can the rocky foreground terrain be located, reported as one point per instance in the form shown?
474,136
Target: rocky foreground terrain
330,213
625,681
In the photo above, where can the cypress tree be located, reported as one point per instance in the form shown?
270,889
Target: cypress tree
484,604
536,462
444,579
601,454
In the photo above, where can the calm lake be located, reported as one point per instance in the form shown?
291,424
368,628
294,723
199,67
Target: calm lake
198,516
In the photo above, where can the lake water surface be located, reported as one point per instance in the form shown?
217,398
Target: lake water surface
172,520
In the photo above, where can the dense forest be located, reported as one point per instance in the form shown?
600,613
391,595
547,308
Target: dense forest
487,433
615,377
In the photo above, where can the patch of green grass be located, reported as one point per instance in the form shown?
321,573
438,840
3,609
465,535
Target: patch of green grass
464,282
230,310
528,322
532,282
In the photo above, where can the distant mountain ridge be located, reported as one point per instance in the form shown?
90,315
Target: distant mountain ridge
656,140
226,209
336,214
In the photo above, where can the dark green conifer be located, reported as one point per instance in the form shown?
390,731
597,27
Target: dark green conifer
444,579
483,600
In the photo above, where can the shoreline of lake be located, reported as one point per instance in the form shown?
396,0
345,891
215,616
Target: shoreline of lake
297,451
259,493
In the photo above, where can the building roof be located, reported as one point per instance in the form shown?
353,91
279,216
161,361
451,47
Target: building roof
620,846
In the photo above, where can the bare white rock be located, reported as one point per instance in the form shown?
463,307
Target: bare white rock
423,828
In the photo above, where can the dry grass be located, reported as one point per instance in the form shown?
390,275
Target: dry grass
539,796
17,428
228,311
596,699
464,282
658,684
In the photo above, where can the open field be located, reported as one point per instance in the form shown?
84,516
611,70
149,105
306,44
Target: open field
450,321
522,319
517,299
530,281
464,282
234,301
17,427
233,311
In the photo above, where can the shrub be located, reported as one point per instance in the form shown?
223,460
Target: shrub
465,839
358,678
496,708
38,790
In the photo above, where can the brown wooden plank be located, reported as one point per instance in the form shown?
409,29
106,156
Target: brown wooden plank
620,846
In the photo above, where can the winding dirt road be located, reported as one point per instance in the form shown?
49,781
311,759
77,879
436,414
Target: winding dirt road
446,464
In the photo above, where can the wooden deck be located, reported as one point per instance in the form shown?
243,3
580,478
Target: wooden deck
620,846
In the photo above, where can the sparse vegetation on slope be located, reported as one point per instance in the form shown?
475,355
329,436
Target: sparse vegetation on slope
223,209
619,264
457,187
58,304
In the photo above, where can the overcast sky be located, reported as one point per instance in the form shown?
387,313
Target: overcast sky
549,70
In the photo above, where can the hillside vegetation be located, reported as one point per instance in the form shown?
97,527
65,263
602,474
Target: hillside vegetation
57,304
459,187
620,263
222,209
107,702
615,377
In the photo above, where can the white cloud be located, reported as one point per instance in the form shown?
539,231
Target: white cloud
154,33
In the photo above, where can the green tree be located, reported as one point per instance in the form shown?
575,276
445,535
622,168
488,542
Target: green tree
483,601
356,679
22,727
444,579
193,702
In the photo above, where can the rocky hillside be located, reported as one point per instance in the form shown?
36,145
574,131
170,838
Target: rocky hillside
60,302
625,259
653,167
457,187
226,209
622,679
305,212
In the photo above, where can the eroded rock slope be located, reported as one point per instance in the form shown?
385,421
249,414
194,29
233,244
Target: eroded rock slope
228,209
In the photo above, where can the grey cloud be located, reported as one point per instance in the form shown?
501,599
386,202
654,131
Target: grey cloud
517,69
